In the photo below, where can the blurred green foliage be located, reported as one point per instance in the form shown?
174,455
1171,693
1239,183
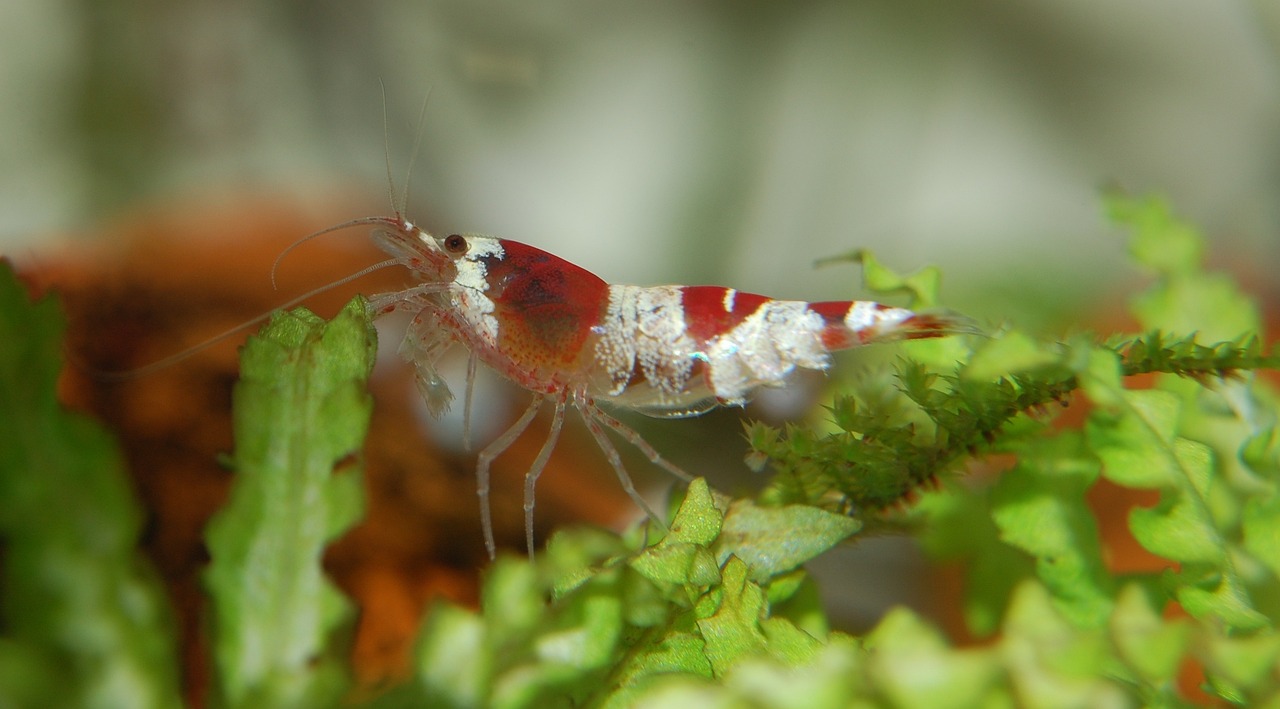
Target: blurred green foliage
718,611
83,619
301,413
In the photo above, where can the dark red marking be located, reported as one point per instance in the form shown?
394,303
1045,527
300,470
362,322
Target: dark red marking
920,326
704,313
835,336
546,306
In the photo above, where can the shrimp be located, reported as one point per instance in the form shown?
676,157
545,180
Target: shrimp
570,338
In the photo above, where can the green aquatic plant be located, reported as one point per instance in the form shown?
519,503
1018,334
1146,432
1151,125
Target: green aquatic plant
718,610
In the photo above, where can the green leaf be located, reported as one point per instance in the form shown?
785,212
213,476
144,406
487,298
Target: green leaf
682,556
1138,444
678,563
1150,646
1039,507
1009,354
453,665
1159,241
301,410
922,285
85,622
774,540
1261,529
698,520
1179,526
733,630
512,598
1135,442
959,525
1053,663
911,664
1185,299
1261,452
1219,592
587,633
1246,664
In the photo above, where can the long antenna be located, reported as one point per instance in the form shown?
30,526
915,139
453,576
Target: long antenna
413,154
386,153
195,349
275,265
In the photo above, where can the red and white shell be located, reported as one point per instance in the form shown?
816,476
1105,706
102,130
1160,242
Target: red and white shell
667,351
564,334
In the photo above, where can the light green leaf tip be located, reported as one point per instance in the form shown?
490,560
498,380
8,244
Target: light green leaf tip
1185,299
1147,643
682,556
1040,508
1011,353
774,540
911,664
1159,241
922,286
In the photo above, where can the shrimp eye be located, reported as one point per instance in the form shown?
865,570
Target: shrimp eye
455,244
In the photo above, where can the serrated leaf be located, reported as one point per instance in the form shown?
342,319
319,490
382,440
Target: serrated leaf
452,663
678,563
698,520
1159,241
1039,507
1245,662
679,651
1135,442
1147,643
1051,663
1011,353
587,632
911,664
1185,299
775,540
1260,526
511,598
682,556
85,622
787,643
733,631
300,409
922,285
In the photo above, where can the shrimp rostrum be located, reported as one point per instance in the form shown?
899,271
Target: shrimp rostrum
569,337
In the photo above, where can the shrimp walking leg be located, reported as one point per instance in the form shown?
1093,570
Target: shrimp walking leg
593,417
535,470
485,459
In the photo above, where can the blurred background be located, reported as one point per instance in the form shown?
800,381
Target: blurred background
731,142
664,142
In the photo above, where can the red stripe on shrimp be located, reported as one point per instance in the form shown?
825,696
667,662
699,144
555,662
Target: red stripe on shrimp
714,310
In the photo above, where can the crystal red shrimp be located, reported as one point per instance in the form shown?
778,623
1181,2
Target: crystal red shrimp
567,336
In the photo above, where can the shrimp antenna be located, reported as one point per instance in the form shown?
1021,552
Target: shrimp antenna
386,154
195,349
275,265
401,205
418,132
398,206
